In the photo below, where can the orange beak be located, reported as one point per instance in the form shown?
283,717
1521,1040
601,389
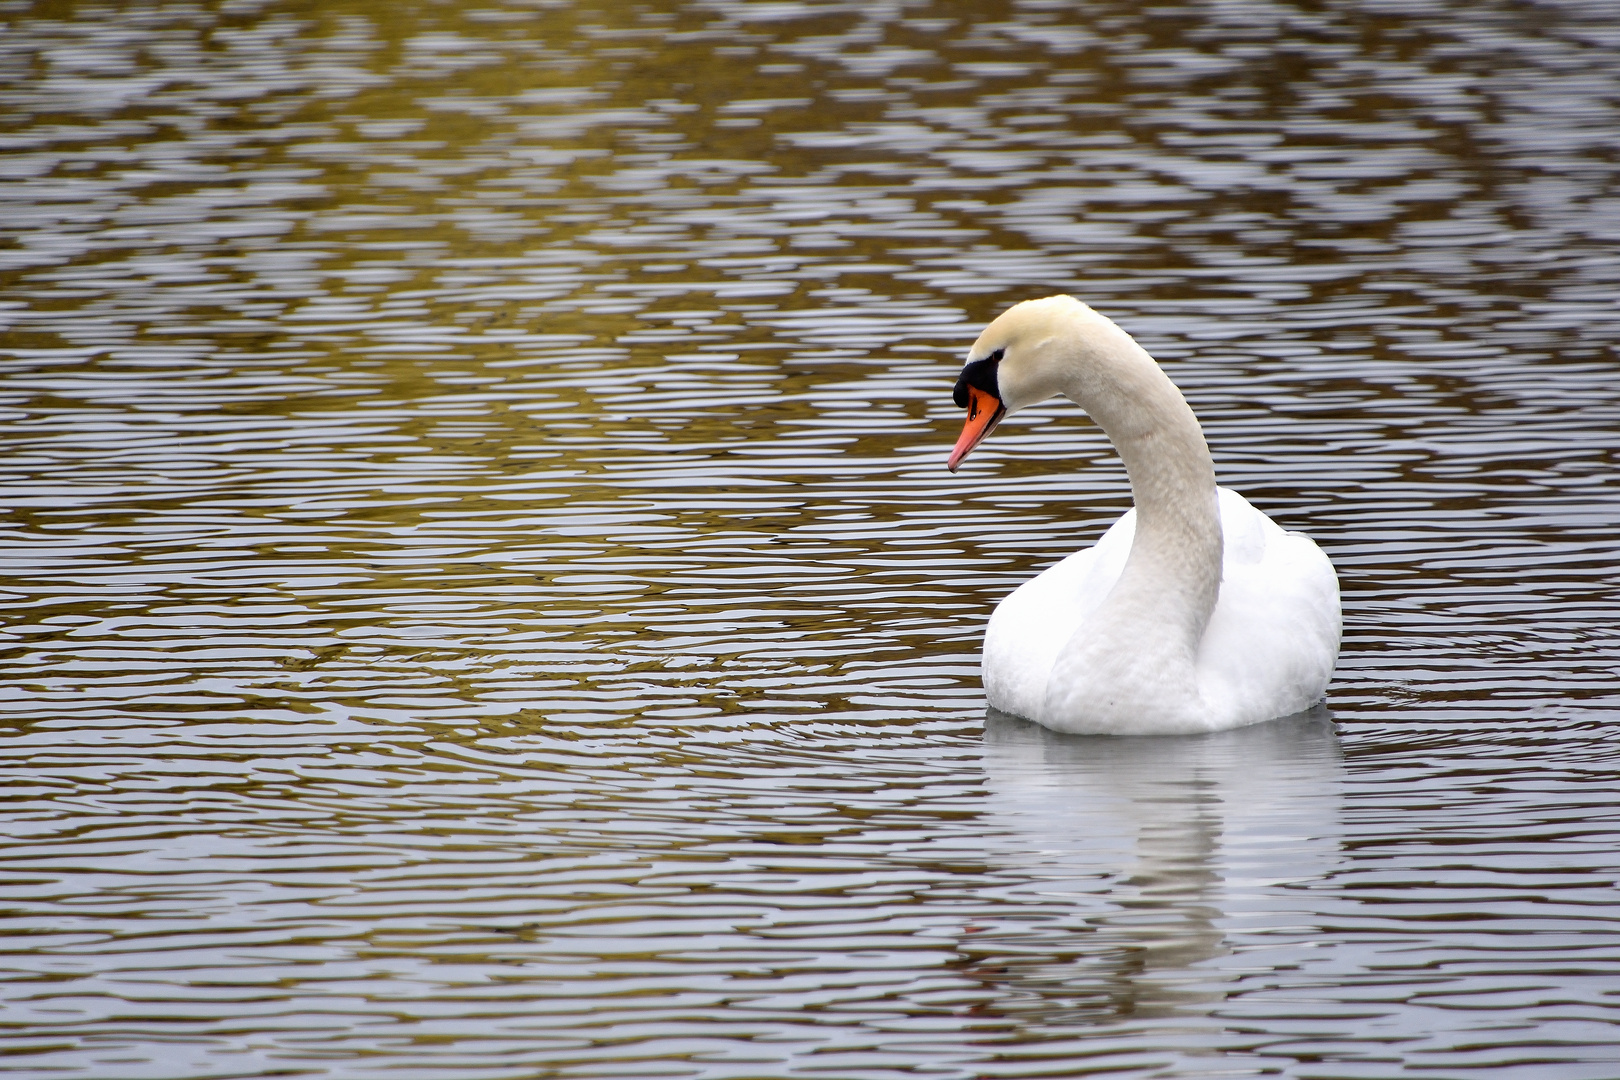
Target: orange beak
984,412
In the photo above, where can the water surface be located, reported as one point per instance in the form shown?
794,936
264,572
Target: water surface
483,597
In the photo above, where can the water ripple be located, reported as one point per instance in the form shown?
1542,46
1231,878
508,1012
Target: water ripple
482,595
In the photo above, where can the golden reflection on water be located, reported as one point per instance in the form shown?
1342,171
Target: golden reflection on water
483,594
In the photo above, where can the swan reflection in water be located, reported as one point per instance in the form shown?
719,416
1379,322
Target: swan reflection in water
1150,876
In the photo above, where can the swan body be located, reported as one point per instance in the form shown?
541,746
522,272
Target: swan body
1194,612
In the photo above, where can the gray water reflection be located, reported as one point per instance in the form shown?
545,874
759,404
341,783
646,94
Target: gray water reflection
1169,864
481,596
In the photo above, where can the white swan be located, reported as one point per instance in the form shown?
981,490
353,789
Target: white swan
1194,612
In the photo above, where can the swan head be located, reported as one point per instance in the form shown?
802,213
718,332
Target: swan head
1017,362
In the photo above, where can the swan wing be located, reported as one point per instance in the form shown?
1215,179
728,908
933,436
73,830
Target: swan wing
1273,638
1032,623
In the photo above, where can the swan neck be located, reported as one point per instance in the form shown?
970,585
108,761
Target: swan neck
1173,574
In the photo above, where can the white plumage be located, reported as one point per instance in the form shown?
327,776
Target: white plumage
1210,616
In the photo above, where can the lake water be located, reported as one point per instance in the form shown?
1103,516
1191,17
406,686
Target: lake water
483,597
